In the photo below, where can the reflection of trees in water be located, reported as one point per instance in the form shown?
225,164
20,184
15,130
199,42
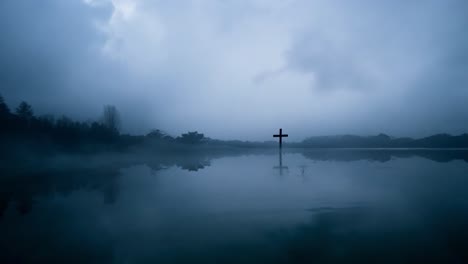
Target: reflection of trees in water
25,205
23,188
20,185
187,162
4,201
384,155
194,165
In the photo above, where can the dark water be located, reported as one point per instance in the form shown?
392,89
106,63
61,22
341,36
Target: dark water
319,206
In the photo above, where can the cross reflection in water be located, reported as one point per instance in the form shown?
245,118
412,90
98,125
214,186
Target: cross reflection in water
281,167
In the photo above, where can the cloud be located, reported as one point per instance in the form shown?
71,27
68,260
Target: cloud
241,69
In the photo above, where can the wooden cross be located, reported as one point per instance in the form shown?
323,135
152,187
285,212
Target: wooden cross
281,136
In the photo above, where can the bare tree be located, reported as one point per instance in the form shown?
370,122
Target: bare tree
111,117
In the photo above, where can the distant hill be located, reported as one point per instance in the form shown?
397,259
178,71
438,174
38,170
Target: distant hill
385,141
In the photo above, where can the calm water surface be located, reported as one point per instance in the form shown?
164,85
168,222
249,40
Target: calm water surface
308,207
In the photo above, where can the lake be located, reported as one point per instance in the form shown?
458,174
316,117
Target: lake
298,206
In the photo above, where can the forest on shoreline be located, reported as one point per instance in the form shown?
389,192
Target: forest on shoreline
22,131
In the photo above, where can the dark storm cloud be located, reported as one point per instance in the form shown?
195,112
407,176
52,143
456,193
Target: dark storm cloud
50,57
314,67
41,40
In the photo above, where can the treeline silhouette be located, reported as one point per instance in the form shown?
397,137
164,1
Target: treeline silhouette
386,141
21,130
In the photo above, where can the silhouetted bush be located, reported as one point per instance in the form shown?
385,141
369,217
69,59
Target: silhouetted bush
192,138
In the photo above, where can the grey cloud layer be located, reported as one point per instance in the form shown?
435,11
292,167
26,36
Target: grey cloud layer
240,69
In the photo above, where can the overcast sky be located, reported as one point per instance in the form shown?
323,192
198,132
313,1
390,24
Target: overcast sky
242,68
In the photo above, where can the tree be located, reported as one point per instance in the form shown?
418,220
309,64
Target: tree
25,111
64,123
191,138
156,134
5,116
111,118
4,110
